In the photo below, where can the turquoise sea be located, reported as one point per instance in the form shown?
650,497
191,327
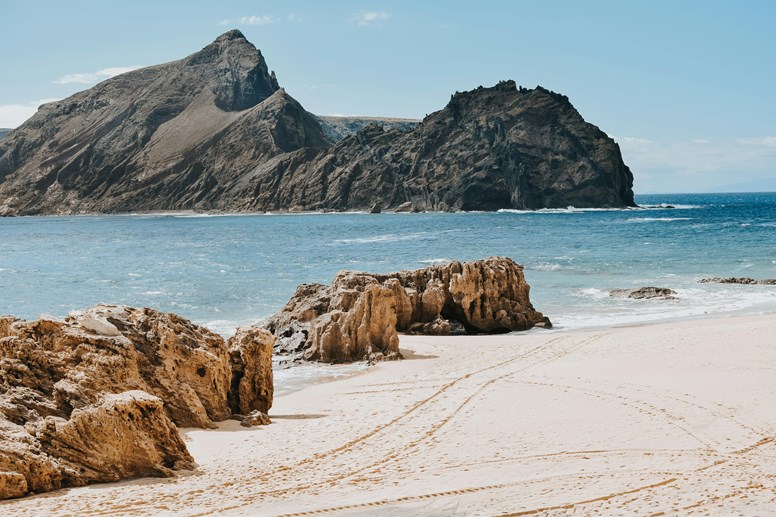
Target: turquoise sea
223,271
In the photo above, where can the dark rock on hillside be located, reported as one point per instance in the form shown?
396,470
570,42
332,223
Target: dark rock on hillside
338,128
358,316
490,148
173,136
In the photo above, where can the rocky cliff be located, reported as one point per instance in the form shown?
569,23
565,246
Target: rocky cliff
488,149
97,397
359,315
4,131
214,131
172,136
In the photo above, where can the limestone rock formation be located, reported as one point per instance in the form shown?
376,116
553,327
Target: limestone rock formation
174,136
359,315
252,386
97,397
214,131
642,293
738,280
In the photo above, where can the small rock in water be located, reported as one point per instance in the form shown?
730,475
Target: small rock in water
644,293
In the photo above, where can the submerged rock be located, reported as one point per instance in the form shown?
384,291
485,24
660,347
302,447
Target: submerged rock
359,315
642,293
97,397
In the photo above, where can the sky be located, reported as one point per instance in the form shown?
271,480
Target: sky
687,88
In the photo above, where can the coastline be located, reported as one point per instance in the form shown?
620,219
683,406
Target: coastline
665,417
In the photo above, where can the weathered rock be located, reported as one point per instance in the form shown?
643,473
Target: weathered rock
488,149
359,315
404,207
97,397
254,418
214,131
252,381
642,293
376,208
738,280
4,131
181,135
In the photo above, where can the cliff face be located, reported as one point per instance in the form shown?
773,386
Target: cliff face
490,148
172,136
214,131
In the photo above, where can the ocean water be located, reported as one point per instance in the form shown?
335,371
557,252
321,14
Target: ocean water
224,271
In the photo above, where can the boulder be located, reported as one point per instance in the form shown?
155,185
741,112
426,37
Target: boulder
97,397
359,315
642,293
376,208
404,207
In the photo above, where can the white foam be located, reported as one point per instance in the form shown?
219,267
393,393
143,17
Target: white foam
656,219
389,237
436,261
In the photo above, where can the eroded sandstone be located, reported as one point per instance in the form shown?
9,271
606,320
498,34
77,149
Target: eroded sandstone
97,397
359,315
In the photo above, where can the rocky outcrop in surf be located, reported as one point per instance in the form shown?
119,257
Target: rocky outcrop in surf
737,280
644,293
359,315
215,132
97,397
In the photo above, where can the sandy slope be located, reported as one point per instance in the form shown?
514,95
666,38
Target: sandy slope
663,418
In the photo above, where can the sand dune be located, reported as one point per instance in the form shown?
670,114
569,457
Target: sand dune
676,417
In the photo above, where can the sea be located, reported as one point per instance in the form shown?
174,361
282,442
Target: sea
223,271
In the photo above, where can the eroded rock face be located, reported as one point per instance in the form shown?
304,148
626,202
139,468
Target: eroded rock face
97,397
359,315
493,148
174,136
642,293
252,386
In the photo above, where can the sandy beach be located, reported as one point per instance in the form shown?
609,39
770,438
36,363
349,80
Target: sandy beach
673,417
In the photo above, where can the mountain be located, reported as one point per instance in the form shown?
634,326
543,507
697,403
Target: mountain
214,131
4,131
170,136
488,149
338,128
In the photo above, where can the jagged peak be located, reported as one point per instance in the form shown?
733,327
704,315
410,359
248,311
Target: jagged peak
230,36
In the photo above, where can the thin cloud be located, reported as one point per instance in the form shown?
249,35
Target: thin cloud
765,141
93,77
13,115
366,18
256,20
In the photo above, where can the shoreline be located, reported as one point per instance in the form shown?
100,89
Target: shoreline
496,425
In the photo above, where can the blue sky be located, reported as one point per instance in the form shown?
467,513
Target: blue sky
687,88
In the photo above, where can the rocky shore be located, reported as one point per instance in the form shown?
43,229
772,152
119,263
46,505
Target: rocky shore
99,396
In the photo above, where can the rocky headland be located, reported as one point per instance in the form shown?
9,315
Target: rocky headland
359,315
215,132
98,397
